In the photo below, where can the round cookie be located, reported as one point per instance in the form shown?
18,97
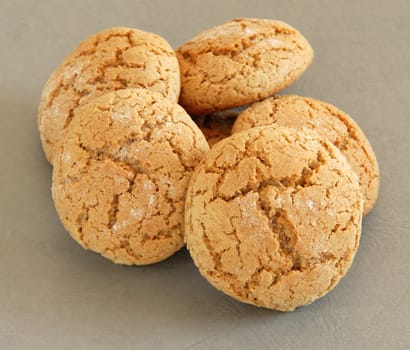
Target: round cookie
330,122
121,174
216,126
239,62
273,216
113,59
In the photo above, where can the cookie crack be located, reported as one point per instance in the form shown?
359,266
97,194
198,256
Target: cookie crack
83,217
134,167
112,213
287,237
295,181
340,266
191,55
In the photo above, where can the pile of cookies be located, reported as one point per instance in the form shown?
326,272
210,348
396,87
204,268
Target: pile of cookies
271,213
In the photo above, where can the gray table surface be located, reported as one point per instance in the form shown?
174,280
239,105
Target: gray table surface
55,295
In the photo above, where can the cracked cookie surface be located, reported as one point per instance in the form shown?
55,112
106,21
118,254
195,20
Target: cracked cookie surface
216,126
327,120
273,217
113,59
239,62
121,174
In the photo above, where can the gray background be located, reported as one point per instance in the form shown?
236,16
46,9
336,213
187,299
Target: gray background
55,295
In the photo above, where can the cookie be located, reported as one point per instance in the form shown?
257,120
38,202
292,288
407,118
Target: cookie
239,62
329,121
273,216
121,173
216,126
113,59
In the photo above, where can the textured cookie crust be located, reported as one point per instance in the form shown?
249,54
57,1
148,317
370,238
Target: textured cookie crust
240,62
216,126
327,120
113,59
121,173
273,217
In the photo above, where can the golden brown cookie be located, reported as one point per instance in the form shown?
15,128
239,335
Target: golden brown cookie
239,62
121,174
273,216
113,59
216,126
329,121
